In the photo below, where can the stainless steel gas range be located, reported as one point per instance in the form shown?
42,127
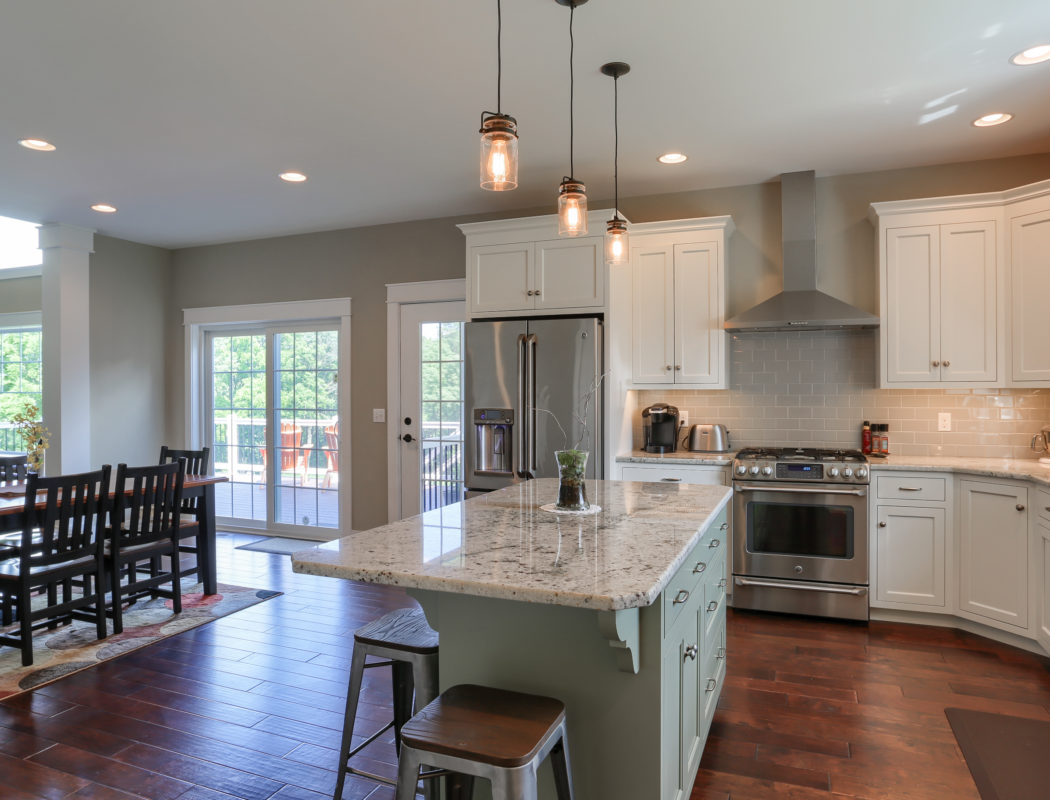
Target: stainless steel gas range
800,531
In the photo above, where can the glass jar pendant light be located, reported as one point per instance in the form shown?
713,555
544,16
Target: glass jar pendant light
572,194
617,248
499,132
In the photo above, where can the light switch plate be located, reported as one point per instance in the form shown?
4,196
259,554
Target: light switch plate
378,415
944,421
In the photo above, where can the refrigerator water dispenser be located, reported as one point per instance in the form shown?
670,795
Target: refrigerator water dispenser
493,436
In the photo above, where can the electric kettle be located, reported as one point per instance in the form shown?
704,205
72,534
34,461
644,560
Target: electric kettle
1041,444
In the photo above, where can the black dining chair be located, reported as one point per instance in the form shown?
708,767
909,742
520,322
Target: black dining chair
14,467
144,529
63,534
196,464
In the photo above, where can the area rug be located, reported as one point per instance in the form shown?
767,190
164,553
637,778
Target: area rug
1008,757
73,647
275,544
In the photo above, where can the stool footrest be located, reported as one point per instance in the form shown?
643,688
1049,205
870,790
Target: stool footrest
369,740
370,664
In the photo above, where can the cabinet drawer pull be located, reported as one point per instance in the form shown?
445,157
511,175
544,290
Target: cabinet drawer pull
1020,507
711,684
712,606
700,567
721,653
714,543
909,488
671,480
691,651
723,526
722,583
681,597
1048,508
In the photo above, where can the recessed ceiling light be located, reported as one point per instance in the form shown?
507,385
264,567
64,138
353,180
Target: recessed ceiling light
292,177
672,158
1033,55
37,144
104,208
998,118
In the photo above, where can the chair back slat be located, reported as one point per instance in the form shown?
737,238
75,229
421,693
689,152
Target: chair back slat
14,468
150,508
196,460
71,523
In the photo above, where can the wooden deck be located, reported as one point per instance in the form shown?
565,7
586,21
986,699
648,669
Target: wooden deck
250,706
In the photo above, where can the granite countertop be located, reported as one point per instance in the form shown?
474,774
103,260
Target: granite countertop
503,545
1024,469
679,457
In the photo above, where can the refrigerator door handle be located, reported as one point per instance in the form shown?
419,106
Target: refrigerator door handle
530,399
519,428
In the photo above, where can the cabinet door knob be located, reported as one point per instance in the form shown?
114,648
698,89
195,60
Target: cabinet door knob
691,651
723,583
1020,507
537,293
529,292
678,367
681,597
936,363
946,363
668,367
882,524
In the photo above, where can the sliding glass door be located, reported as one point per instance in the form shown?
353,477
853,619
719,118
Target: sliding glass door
273,426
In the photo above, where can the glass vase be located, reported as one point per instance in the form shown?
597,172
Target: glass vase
572,490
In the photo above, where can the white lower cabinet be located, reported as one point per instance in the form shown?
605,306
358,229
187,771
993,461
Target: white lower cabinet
993,553
910,557
1040,572
681,473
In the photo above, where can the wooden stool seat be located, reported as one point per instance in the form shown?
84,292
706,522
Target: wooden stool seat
405,629
491,734
483,724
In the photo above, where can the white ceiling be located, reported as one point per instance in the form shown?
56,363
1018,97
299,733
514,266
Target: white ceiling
182,113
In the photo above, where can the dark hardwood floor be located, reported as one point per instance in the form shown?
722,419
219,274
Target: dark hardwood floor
250,706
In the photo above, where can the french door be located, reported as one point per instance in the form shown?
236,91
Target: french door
272,421
431,414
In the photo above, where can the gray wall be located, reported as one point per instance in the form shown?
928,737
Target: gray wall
19,294
129,372
359,262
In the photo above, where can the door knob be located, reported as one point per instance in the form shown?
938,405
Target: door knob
407,438
408,420
1020,507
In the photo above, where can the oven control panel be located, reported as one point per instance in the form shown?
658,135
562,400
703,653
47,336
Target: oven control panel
800,472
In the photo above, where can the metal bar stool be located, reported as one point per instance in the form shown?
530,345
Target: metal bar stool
487,733
410,648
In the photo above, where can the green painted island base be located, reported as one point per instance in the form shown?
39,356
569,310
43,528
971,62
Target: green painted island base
613,716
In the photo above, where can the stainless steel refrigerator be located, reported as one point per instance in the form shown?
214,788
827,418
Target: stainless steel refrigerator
520,374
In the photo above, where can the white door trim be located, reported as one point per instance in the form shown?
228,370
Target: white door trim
398,294
198,320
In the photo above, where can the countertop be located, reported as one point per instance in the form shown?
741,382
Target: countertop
1023,469
503,545
679,457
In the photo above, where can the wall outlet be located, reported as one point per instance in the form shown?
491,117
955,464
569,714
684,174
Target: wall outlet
683,417
378,415
944,421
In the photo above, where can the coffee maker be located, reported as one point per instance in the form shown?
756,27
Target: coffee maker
660,428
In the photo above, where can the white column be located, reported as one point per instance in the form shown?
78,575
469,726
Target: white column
67,345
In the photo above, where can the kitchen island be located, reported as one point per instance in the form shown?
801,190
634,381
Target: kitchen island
620,614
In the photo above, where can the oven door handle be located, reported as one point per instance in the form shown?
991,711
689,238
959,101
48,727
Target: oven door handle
762,487
806,587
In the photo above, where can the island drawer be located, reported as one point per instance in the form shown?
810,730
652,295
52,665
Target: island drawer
904,487
714,673
685,589
710,475
714,599
1042,500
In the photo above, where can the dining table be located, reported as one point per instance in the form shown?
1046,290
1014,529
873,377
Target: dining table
200,488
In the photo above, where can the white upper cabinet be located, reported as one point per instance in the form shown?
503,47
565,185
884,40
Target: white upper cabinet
1029,246
518,268
938,303
678,275
963,288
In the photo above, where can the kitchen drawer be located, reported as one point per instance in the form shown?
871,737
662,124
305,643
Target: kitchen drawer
701,474
713,675
714,599
685,589
903,487
1042,504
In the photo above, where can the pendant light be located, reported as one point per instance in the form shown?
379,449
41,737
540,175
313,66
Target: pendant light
499,132
572,194
617,249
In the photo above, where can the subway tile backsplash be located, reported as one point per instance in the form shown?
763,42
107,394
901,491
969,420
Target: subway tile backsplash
815,388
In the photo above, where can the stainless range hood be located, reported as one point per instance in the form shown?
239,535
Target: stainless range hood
801,306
